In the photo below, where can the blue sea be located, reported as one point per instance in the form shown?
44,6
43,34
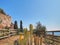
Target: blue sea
55,33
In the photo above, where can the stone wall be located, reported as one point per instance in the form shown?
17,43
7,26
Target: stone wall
5,20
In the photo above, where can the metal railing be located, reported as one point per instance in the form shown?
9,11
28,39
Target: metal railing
52,39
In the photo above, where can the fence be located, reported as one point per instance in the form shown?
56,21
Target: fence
4,33
48,39
52,39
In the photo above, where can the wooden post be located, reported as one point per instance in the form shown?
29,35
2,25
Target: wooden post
37,40
32,40
53,37
41,40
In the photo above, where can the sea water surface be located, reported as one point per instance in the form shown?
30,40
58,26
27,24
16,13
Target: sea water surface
55,33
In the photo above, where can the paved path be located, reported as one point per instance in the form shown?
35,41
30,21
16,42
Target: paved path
9,41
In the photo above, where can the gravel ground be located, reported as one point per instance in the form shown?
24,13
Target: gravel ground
9,41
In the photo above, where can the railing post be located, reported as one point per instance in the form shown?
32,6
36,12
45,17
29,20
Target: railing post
41,40
53,37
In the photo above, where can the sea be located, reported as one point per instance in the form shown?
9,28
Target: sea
55,33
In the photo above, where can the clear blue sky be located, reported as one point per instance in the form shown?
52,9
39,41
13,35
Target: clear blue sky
32,11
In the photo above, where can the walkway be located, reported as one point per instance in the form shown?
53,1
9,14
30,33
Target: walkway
9,41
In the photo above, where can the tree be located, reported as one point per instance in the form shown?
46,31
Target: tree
1,11
15,25
39,26
21,27
43,28
40,29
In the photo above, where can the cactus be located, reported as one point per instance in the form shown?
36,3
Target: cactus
31,31
25,35
24,40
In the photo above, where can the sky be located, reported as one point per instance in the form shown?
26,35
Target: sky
33,11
